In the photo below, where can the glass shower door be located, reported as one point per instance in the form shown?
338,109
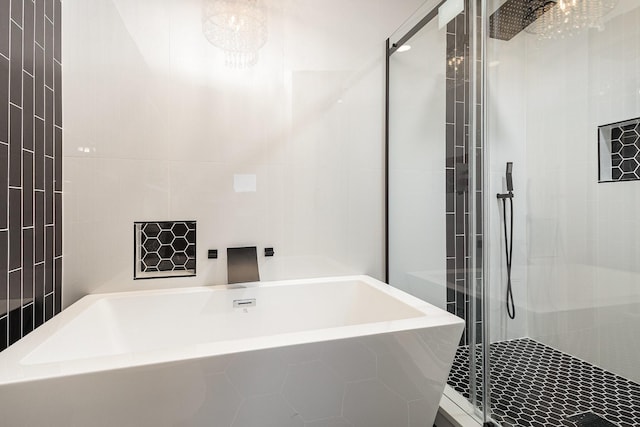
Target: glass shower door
564,107
433,200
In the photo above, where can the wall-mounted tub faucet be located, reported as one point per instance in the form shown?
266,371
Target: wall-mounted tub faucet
242,265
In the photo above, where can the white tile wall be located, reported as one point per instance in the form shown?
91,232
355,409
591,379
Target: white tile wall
156,127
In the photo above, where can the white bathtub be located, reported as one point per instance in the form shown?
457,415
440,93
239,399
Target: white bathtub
345,351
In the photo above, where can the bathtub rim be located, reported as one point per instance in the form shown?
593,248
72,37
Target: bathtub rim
12,370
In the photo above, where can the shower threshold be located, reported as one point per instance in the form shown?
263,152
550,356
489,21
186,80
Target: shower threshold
533,384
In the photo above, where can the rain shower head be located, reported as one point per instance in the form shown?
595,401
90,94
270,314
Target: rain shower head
516,15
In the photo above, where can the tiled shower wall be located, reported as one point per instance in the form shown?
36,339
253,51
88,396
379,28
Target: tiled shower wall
458,102
30,166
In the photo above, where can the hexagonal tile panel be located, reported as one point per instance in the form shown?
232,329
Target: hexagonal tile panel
165,249
623,141
536,385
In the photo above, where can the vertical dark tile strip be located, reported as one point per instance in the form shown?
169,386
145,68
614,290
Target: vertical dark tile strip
38,87
38,154
28,35
15,315
450,181
460,253
4,186
450,202
451,234
27,319
39,227
459,214
16,11
4,99
457,159
459,125
27,264
459,87
460,299
15,325
27,112
451,280
58,286
27,189
48,307
15,147
48,122
4,271
48,191
58,94
39,294
450,145
58,225
449,100
31,156
48,53
49,9
48,261
5,20
57,53
57,181
4,333
15,228
15,88
451,307
39,22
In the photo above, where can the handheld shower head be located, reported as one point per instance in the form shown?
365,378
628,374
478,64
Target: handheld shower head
509,176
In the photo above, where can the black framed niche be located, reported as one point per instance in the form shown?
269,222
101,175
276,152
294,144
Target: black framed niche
164,249
619,151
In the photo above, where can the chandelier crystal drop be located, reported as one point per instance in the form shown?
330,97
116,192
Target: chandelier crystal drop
567,18
238,27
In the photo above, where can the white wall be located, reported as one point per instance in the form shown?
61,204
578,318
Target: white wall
156,126
582,270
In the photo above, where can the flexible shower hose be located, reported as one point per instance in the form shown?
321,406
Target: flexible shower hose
508,247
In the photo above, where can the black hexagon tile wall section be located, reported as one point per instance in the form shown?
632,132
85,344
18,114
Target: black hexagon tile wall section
625,150
165,249
535,385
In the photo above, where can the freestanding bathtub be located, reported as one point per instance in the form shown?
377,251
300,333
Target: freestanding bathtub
337,352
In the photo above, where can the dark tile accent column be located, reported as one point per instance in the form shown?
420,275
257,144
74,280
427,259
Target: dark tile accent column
30,166
458,111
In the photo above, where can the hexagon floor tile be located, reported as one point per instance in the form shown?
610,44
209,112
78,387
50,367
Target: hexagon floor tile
536,385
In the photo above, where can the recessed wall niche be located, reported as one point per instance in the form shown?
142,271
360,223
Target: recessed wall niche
164,249
619,151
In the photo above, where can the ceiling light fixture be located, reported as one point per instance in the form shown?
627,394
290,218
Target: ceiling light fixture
568,17
238,27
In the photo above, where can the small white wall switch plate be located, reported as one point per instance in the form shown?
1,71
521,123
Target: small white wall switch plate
244,183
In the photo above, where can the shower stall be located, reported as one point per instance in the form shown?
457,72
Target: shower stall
542,257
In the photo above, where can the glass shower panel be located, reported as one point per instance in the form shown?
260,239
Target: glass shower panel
563,105
433,200
417,123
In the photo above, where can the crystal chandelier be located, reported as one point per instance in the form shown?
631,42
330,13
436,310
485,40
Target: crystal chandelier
238,27
566,18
